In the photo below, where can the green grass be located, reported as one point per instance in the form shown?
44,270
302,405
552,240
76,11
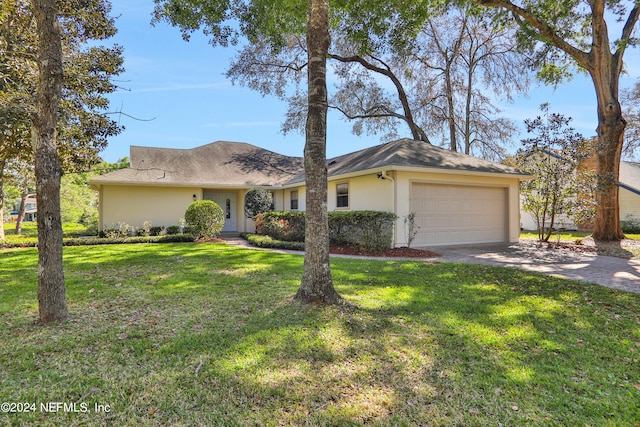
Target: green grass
564,236
207,334
30,232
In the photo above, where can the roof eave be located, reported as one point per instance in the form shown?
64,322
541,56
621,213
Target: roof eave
520,176
98,184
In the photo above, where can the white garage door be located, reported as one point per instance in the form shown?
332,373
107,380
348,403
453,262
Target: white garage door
456,214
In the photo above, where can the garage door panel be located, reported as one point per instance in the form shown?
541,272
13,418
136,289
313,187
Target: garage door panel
455,214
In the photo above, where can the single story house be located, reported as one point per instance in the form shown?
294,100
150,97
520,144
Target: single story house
30,209
629,195
458,199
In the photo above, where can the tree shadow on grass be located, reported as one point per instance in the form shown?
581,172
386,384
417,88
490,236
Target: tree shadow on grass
427,344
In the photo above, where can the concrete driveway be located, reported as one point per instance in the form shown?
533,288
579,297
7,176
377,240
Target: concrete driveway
617,273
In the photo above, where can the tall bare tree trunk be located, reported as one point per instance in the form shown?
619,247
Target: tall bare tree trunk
52,302
451,115
317,283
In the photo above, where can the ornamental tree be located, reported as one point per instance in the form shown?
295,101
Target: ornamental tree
257,201
552,155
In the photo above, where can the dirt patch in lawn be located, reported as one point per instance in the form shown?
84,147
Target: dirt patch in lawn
626,248
388,253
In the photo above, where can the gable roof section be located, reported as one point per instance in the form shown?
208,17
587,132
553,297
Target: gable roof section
630,176
221,163
409,154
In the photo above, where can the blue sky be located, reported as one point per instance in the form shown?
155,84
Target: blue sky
182,87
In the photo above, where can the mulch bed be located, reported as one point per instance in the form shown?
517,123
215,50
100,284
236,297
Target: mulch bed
388,253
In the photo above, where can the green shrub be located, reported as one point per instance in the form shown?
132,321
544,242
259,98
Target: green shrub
268,242
257,201
286,226
205,218
92,241
630,224
368,230
173,229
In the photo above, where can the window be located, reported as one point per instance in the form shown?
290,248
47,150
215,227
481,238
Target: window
294,200
342,192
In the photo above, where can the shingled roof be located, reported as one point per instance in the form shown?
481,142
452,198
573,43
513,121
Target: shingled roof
237,164
409,153
221,163
630,176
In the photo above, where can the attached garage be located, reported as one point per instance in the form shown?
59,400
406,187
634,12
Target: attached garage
459,214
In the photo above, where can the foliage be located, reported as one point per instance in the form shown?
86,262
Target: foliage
78,202
264,241
432,84
411,228
287,226
552,157
368,230
630,224
257,201
205,217
560,36
197,331
83,123
630,100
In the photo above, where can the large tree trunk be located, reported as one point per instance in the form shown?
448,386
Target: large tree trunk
52,302
317,283
605,74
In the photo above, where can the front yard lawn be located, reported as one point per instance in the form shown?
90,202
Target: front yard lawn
207,334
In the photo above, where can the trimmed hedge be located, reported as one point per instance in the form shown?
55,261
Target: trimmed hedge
270,243
92,241
630,225
367,230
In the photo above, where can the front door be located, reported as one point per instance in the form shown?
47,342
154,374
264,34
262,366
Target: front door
227,201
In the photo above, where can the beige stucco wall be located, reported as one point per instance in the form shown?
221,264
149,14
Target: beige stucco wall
404,179
161,206
302,198
134,205
629,204
366,192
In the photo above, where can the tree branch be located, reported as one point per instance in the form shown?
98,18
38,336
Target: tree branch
543,29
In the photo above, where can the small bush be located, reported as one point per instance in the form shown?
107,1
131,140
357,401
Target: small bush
205,218
157,231
173,229
630,224
268,242
287,226
367,230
